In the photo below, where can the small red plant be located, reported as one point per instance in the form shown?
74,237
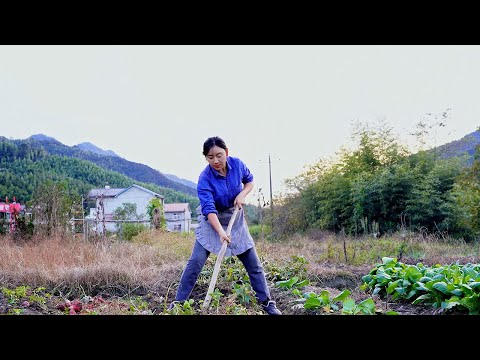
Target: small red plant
74,306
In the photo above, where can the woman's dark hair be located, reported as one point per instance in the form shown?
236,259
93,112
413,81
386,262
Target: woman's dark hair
211,142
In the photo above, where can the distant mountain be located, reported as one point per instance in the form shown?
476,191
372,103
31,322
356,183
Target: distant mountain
88,146
465,146
25,164
136,171
41,137
181,181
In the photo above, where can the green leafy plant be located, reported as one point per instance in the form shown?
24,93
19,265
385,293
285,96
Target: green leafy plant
215,298
39,296
235,270
295,266
236,309
445,287
183,308
366,307
323,301
292,283
243,291
138,305
15,311
15,295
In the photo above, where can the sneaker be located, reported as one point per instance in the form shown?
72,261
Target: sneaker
271,308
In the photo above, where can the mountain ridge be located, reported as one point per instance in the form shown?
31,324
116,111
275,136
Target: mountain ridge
465,146
88,146
134,170
109,160
180,180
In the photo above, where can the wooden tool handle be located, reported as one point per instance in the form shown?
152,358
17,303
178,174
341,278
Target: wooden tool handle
220,255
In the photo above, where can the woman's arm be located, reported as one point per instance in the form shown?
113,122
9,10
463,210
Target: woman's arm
240,199
213,220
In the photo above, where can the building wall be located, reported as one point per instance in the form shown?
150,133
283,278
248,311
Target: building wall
132,195
183,220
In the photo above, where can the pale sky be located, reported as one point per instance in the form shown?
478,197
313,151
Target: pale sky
157,104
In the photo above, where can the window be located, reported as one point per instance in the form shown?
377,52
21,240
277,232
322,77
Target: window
177,227
176,217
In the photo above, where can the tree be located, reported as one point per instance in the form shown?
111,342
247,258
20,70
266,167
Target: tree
156,213
377,182
52,207
128,211
464,215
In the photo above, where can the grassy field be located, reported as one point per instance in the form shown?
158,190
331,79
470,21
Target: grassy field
47,275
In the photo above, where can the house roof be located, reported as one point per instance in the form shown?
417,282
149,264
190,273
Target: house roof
143,189
176,207
114,192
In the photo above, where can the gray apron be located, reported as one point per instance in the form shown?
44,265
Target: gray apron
241,240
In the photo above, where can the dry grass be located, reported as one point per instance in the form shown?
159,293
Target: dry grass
170,246
78,266
433,250
297,245
153,261
367,250
332,256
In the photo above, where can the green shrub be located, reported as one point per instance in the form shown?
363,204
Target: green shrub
260,231
129,230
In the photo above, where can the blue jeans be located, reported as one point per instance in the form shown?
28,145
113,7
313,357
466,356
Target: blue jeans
197,260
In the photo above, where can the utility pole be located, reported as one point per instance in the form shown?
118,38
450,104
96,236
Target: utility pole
83,222
270,174
104,229
270,179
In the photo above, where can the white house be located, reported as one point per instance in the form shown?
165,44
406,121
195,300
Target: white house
112,198
178,216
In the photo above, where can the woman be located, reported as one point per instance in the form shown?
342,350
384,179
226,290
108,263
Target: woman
220,190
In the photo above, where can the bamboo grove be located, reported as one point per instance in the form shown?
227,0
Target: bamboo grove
380,187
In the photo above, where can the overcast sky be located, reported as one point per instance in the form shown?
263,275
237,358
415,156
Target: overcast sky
157,104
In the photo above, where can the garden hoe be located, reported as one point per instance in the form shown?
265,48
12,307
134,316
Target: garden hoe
221,253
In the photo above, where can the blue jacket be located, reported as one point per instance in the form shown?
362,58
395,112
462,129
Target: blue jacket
217,192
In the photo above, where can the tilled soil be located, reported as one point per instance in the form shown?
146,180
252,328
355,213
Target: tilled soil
147,303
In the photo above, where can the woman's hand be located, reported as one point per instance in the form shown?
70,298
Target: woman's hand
224,237
239,200
213,219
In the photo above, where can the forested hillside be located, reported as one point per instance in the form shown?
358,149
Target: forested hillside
378,187
136,171
87,146
464,146
25,165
